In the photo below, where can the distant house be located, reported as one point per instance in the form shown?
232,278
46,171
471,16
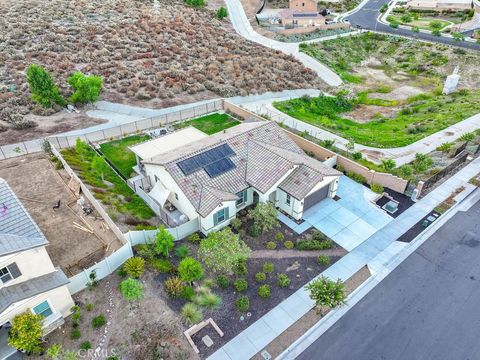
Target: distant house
210,179
440,4
301,13
28,279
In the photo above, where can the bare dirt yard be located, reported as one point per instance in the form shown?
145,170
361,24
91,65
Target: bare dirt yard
155,56
148,329
39,186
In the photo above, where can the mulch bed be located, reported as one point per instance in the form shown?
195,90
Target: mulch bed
416,229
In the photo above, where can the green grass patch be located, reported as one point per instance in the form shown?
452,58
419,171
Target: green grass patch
112,190
415,121
118,153
210,124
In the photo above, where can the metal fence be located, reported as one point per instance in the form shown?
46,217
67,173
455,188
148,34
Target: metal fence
462,157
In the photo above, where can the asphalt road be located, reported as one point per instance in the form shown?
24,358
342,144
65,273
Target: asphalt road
427,308
366,18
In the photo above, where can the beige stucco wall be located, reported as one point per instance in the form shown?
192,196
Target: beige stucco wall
31,263
303,5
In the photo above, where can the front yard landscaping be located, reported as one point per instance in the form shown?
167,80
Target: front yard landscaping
210,124
119,154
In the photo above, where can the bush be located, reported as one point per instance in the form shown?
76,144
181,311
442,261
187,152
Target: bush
241,268
221,13
98,321
187,293
191,314
190,269
243,303
314,244
210,301
87,88
89,307
209,283
264,291
356,155
260,276
241,285
279,236
326,292
318,235
54,352
289,244
131,289
163,242
323,260
356,177
223,282
26,332
236,224
86,345
181,252
377,188
161,265
44,90
134,267
75,334
264,217
195,3
271,245
173,286
268,267
195,238
253,231
283,280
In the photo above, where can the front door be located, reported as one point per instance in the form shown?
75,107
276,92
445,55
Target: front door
256,197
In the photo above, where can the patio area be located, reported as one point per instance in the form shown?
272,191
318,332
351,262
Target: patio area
349,221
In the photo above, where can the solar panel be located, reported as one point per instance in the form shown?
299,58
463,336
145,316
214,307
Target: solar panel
219,167
199,161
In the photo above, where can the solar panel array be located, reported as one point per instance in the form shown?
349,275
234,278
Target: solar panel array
214,161
305,15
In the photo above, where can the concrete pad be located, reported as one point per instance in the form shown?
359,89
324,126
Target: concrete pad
240,348
343,216
278,320
259,333
362,229
347,239
329,226
220,354
302,227
295,305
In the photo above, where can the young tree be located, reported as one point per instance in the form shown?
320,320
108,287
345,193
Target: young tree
222,250
388,164
326,292
264,216
163,242
131,289
190,270
87,88
44,90
26,332
221,13
99,166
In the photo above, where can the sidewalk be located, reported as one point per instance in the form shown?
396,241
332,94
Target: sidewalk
401,155
253,339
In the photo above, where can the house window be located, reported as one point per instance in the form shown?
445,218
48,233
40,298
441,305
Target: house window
288,200
220,216
9,272
43,309
242,197
176,196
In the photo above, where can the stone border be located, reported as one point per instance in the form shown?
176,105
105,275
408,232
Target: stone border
196,328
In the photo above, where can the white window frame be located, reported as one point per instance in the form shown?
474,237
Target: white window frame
9,274
243,195
288,200
52,309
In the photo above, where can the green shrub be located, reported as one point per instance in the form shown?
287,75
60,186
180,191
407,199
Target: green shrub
264,291
318,235
243,303
191,314
210,301
75,334
99,321
121,272
173,286
268,267
54,352
271,245
131,289
190,269
181,252
195,3
161,265
314,244
134,267
26,332
253,231
356,177
236,224
223,282
264,216
260,276
195,238
279,236
164,242
289,244
89,307
44,90
187,293
241,268
209,283
323,260
86,345
241,285
221,13
416,29
87,87
283,280
377,188
356,155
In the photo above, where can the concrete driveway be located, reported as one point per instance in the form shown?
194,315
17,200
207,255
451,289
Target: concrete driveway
350,220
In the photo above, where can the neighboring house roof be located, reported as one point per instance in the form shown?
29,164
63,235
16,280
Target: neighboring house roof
168,142
296,14
263,155
26,289
18,231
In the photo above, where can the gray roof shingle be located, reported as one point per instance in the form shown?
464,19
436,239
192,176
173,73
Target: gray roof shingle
18,231
264,153
24,290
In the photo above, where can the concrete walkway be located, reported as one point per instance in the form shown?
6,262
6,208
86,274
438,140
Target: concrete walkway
402,155
242,26
380,247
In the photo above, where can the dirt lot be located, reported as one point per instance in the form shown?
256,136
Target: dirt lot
39,186
147,330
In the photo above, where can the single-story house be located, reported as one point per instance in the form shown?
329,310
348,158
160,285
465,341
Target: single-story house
212,178
28,279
